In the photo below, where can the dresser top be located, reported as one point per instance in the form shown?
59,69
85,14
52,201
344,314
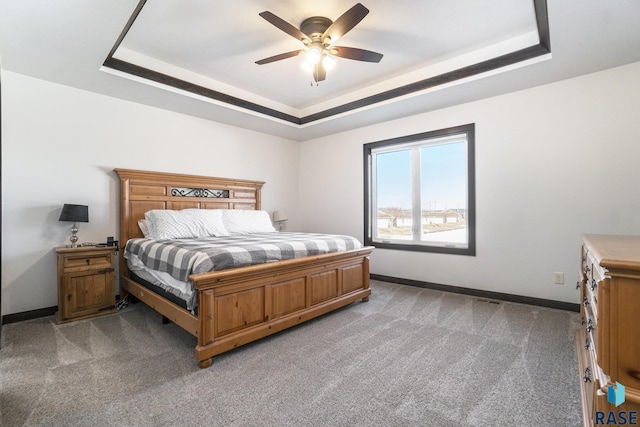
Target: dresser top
614,251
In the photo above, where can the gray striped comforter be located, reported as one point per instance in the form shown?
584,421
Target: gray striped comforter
183,257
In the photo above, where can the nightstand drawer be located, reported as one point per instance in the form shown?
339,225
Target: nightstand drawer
82,260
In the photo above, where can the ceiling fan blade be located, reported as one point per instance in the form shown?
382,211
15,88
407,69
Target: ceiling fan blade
346,22
319,73
355,53
281,56
285,26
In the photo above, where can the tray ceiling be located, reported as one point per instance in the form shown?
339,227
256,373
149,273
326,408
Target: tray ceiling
198,57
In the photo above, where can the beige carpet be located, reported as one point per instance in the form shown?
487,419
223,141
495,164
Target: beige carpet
408,357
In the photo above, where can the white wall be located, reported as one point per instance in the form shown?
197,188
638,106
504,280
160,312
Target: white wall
561,158
555,161
60,145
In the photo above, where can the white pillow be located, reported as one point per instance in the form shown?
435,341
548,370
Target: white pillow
184,224
242,221
144,227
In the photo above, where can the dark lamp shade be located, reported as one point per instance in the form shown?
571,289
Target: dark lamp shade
74,213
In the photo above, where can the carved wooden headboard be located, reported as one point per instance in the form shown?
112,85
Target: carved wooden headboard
141,191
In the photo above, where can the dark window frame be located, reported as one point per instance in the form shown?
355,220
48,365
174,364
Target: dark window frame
369,218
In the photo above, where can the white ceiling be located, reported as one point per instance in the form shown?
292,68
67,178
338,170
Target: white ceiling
214,45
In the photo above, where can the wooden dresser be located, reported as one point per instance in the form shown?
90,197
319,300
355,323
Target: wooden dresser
608,343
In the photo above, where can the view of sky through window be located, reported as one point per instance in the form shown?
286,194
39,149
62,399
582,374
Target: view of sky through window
443,177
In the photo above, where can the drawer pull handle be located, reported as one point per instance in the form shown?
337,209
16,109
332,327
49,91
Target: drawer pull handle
590,326
88,261
594,285
587,375
585,301
586,269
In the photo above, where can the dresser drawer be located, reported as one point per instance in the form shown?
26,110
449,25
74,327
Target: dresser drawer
590,303
590,322
588,381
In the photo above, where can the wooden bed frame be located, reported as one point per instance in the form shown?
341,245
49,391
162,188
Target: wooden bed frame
241,305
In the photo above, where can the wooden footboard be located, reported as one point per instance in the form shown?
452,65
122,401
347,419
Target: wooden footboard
238,306
242,305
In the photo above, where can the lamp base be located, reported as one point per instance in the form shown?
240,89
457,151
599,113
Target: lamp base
74,238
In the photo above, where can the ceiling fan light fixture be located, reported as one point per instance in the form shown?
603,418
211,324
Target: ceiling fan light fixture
313,55
328,62
306,66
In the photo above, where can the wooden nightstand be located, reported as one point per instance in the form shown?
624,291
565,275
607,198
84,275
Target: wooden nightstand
86,277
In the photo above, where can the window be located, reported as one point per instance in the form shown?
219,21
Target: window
420,192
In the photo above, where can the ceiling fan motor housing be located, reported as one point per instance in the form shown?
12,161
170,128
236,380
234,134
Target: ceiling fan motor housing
315,27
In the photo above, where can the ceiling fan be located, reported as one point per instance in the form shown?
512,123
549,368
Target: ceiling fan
318,34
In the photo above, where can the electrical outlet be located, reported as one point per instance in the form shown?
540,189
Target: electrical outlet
559,278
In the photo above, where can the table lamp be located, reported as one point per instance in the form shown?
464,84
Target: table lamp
75,214
279,217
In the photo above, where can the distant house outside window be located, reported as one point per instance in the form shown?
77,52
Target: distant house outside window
420,192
